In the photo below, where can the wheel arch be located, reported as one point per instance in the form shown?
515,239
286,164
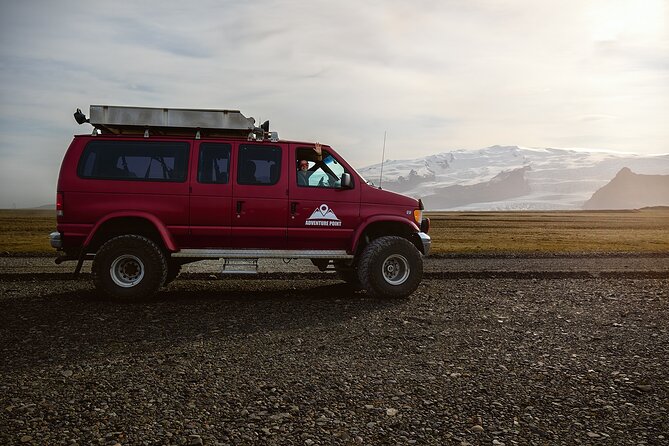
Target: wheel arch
380,226
121,223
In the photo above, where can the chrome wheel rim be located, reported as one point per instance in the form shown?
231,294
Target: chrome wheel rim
396,269
127,271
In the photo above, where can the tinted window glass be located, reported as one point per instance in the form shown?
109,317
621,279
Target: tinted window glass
135,160
259,165
214,164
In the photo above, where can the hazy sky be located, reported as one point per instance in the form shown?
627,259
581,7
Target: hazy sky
437,75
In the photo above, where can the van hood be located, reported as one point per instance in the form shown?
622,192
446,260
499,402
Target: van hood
370,194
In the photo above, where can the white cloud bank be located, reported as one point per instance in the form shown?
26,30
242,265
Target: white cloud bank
436,75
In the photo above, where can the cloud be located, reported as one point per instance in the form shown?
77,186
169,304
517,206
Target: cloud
133,32
434,74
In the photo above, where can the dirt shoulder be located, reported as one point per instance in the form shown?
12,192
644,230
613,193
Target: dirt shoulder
602,262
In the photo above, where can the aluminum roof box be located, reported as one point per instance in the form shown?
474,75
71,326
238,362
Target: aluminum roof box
169,121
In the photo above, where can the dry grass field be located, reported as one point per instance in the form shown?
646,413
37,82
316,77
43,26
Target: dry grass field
26,231
646,230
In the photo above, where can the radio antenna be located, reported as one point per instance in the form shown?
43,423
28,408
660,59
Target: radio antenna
383,157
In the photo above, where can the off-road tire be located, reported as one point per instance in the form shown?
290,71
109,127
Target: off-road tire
348,273
390,267
129,267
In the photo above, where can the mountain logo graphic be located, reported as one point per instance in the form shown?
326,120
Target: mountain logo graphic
323,216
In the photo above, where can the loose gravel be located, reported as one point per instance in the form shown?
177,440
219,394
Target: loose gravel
274,360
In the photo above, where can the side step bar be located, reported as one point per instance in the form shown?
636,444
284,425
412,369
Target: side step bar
240,266
262,254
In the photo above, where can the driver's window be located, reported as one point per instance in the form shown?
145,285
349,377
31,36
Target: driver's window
318,170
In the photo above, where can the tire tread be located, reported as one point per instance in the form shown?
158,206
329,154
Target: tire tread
151,282
373,253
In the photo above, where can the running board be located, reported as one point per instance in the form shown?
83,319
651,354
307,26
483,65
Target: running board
240,266
262,254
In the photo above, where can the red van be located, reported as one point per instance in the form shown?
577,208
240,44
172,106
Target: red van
152,189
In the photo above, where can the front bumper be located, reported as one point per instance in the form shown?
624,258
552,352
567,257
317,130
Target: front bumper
56,240
426,241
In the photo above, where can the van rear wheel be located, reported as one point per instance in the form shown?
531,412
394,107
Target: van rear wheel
390,267
129,267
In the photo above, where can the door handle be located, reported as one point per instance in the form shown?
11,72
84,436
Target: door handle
293,207
239,207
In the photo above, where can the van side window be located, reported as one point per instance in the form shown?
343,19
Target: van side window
258,165
214,164
134,161
318,170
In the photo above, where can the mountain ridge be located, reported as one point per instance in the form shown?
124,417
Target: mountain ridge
558,179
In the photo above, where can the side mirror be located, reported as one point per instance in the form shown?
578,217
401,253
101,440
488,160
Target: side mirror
345,180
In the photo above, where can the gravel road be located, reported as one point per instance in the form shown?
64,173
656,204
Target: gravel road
491,351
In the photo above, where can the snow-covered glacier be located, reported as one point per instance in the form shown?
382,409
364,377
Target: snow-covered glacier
489,178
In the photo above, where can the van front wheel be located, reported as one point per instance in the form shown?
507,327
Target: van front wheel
390,267
129,267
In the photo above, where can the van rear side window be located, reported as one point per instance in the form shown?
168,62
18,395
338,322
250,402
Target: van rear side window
214,164
134,161
258,165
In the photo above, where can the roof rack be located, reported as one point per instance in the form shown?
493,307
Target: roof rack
122,120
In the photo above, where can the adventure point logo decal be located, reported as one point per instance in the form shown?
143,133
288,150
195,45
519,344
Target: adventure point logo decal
323,216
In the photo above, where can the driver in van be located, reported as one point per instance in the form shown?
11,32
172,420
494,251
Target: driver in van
303,173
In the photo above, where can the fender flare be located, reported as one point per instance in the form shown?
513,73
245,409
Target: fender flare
165,235
376,219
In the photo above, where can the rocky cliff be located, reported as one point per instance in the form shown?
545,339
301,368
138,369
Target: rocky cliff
629,190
